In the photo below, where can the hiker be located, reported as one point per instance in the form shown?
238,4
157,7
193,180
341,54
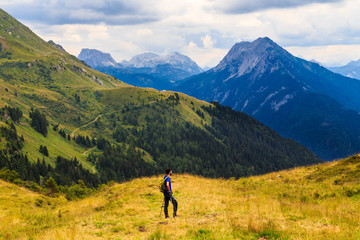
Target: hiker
168,196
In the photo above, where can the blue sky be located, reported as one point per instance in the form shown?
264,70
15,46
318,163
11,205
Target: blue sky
325,30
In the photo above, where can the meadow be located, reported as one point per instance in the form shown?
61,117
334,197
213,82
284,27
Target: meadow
315,202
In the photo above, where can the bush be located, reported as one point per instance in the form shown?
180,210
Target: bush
78,191
32,186
351,192
8,175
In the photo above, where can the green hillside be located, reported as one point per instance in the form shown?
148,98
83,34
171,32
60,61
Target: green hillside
64,110
35,74
317,202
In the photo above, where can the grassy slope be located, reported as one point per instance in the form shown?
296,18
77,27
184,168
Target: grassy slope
317,202
113,101
39,75
63,109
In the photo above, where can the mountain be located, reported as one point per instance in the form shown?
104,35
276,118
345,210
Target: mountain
96,58
299,99
175,59
314,202
352,69
145,70
58,46
148,59
62,119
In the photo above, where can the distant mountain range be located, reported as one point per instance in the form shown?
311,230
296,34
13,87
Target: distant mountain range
352,69
175,59
297,98
144,70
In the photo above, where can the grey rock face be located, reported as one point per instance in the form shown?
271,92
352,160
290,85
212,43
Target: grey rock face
175,59
96,58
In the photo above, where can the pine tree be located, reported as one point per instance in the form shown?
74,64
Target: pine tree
52,186
39,122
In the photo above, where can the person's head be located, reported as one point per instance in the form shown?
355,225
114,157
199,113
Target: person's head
168,171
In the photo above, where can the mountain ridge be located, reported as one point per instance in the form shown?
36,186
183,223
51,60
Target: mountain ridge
260,78
352,69
58,46
145,70
151,60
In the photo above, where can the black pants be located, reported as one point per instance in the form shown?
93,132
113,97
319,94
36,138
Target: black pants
167,198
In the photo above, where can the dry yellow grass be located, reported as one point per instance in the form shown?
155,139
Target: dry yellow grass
303,203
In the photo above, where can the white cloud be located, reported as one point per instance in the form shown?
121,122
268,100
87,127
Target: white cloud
192,45
331,55
145,32
202,56
207,41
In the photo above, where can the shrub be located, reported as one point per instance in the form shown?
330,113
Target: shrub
8,175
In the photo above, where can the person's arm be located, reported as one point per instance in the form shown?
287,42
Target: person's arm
168,187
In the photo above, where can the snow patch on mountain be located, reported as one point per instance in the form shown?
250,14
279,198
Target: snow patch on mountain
225,96
261,89
276,105
245,104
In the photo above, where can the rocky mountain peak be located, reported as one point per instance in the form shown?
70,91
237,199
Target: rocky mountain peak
245,56
175,59
96,58
58,46
147,59
182,62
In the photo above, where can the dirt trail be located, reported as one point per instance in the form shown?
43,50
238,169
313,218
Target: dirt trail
72,134
84,153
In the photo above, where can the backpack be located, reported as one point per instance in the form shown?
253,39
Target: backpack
162,185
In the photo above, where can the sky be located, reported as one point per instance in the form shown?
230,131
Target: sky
327,31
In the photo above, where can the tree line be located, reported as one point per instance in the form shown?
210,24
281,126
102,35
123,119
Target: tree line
233,145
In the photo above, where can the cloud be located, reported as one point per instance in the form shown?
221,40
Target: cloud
330,55
207,41
245,6
201,29
204,57
111,12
